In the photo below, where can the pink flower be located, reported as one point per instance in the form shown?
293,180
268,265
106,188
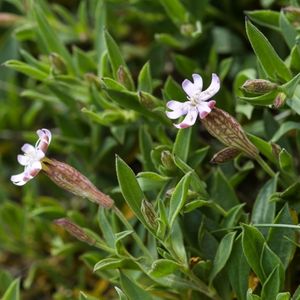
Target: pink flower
197,104
32,157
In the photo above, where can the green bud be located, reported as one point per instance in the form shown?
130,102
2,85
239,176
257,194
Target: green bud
58,64
279,100
149,214
258,86
93,79
227,130
167,160
225,155
147,100
124,77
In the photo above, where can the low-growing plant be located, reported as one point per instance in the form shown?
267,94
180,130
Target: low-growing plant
179,120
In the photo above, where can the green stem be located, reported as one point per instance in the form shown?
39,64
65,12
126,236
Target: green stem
134,234
265,166
203,288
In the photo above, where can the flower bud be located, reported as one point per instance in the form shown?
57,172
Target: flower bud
279,100
149,214
225,155
7,19
125,78
75,230
147,100
258,86
93,79
167,160
73,181
226,129
58,64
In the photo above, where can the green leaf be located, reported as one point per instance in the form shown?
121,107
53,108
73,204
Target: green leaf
106,228
268,18
279,239
288,31
182,143
269,59
290,87
272,285
145,79
296,295
130,100
253,243
163,267
222,192
264,147
175,10
222,255
146,145
50,37
121,294
26,69
266,99
100,23
112,263
151,180
238,269
251,296
130,188
283,296
13,291
284,128
264,210
178,198
114,53
132,289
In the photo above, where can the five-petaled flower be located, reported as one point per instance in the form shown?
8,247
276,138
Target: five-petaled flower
197,104
32,157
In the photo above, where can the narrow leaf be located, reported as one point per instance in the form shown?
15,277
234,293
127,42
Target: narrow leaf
269,59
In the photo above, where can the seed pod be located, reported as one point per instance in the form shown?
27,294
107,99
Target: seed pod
75,230
225,155
258,86
73,181
226,129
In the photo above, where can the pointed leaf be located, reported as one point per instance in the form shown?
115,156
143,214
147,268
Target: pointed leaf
269,59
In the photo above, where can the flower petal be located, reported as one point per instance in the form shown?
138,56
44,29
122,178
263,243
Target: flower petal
23,160
204,108
179,109
198,82
44,139
174,105
27,148
189,88
212,89
19,179
174,114
189,120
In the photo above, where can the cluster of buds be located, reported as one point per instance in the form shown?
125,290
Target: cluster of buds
34,160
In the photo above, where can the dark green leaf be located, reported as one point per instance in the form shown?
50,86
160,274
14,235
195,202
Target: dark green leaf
269,59
272,285
132,289
178,198
13,291
222,255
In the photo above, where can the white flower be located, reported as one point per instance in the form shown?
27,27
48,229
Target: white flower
32,157
197,104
